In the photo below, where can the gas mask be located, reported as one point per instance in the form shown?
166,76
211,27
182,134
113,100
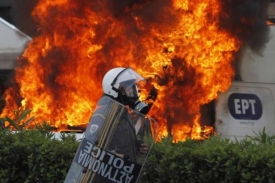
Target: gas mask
130,96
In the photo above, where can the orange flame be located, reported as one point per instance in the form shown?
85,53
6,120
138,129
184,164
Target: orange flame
177,45
269,23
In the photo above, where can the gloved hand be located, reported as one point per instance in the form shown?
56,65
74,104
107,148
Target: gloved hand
143,148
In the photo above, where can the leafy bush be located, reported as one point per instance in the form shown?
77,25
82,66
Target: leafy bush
215,160
33,155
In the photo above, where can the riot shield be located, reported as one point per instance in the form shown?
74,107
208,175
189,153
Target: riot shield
115,146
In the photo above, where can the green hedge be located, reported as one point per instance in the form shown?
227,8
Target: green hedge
215,160
33,156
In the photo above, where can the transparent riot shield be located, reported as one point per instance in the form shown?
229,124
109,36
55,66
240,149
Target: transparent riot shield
115,146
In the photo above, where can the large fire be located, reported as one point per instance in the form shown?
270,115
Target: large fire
178,45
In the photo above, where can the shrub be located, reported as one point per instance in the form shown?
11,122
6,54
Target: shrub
215,160
35,156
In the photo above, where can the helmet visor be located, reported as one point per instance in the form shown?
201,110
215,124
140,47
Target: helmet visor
132,91
131,82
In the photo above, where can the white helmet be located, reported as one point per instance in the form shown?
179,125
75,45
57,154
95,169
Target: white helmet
125,78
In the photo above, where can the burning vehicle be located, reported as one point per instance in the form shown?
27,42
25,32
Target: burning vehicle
190,52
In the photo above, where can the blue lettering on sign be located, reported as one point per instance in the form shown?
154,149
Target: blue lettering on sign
245,106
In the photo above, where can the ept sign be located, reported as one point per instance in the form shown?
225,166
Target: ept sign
245,106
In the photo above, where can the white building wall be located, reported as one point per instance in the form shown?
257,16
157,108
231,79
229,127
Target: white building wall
12,44
260,68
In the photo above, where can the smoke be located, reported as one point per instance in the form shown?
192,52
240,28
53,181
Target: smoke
246,19
21,16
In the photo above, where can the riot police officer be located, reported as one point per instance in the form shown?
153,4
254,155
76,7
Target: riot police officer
121,85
